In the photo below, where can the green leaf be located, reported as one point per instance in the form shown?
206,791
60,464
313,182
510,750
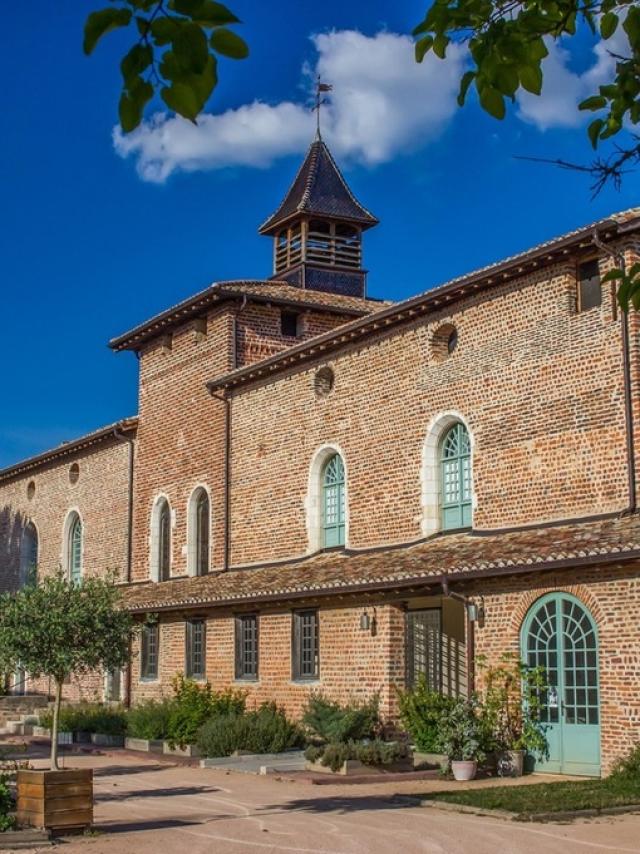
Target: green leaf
190,48
594,131
182,99
608,25
492,101
136,61
164,30
132,104
101,22
228,44
423,47
531,78
612,275
210,14
440,43
595,102
466,81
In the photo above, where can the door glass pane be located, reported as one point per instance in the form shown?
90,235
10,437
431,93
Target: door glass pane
542,651
424,647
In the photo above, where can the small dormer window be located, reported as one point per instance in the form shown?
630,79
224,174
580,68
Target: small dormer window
289,324
589,286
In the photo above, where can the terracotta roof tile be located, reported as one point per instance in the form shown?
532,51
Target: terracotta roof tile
125,425
260,290
455,555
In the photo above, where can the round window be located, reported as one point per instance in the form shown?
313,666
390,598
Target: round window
74,473
31,489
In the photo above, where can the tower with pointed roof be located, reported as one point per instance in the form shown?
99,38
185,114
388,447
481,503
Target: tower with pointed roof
317,229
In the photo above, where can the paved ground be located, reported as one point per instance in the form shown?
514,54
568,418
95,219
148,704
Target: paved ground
143,806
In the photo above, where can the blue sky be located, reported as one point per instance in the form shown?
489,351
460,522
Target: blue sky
93,241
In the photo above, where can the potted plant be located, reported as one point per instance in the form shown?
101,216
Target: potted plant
513,694
461,738
54,629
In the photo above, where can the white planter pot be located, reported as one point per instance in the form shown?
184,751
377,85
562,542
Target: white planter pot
143,744
102,740
464,770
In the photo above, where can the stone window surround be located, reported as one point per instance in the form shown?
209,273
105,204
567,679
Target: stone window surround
154,534
65,556
430,469
314,498
192,540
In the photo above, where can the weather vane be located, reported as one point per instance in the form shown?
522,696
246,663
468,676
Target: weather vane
320,89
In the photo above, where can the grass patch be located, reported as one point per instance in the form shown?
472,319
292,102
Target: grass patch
615,791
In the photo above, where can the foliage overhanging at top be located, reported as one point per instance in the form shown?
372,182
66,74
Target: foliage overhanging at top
507,43
174,52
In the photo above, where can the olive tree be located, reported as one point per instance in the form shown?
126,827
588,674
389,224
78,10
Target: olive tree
57,628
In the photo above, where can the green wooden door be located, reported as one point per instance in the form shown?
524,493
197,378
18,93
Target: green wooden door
560,635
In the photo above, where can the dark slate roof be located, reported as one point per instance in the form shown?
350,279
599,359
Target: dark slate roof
261,291
454,557
111,431
319,189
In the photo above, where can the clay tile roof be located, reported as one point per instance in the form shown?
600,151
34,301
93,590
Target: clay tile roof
258,290
124,426
319,190
435,298
455,556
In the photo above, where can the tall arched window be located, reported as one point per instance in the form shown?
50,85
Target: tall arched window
28,555
199,532
74,548
164,540
455,478
333,502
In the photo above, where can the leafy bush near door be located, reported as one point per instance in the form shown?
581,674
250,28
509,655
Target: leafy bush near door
421,712
266,730
193,704
149,720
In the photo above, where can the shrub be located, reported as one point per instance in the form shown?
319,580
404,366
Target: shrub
7,819
266,730
329,721
462,731
374,752
193,704
421,712
88,717
149,720
629,766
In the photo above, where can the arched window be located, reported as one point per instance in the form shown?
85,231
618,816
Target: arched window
163,544
28,555
333,502
74,548
199,532
455,478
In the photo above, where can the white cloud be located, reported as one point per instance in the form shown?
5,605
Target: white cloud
383,103
563,89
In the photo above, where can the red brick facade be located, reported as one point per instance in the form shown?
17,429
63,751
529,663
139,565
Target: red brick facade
540,386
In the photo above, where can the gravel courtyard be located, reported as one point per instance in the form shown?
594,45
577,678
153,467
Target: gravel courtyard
145,806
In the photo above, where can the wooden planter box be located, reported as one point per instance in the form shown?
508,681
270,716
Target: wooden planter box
56,800
153,746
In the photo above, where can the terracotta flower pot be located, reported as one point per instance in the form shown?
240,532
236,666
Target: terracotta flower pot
464,769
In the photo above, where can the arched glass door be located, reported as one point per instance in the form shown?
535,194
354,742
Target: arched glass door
560,635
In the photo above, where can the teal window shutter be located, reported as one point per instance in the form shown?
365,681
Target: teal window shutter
75,551
455,478
333,502
202,533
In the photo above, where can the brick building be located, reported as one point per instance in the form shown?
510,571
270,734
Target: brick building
326,492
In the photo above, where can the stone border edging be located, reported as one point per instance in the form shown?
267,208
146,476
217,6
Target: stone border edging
507,815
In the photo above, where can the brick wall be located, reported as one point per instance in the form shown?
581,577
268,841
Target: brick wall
538,384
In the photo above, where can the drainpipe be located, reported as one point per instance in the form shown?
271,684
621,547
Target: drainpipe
470,634
124,438
626,370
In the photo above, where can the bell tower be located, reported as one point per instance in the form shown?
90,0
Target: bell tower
317,230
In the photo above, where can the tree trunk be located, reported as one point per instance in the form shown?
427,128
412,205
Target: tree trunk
55,724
